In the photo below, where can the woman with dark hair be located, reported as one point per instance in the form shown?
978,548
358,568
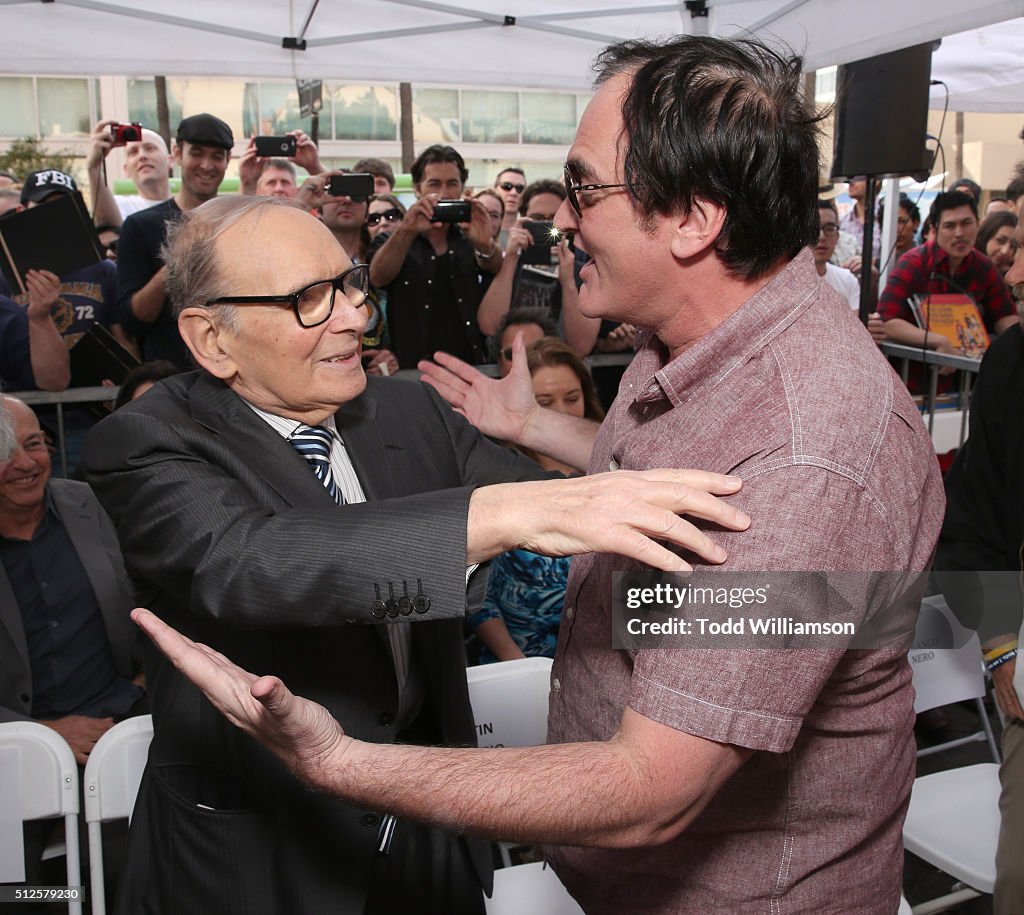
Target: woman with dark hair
384,214
995,239
523,606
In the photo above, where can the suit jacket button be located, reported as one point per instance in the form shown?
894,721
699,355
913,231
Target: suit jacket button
421,603
391,606
369,819
405,605
24,697
385,719
377,610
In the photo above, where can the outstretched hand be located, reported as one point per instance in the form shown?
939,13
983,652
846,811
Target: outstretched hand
501,408
302,733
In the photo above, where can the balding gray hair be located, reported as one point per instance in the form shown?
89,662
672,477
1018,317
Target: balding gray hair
190,252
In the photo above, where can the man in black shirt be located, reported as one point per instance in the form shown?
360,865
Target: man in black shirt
431,270
202,149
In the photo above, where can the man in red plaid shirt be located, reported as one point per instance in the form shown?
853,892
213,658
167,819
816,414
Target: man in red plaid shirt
950,264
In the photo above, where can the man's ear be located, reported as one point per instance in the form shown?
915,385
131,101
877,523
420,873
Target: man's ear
207,340
698,230
176,153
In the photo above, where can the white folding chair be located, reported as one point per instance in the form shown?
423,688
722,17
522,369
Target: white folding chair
47,786
953,819
532,888
510,702
510,709
112,775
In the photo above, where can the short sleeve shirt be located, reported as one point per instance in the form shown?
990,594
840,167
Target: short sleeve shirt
839,474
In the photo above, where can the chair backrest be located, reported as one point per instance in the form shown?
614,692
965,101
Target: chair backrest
510,702
944,675
114,769
49,774
45,784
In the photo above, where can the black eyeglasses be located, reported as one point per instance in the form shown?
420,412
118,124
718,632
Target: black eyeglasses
572,189
512,186
392,215
829,230
313,304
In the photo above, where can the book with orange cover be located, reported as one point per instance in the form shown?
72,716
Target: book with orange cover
956,317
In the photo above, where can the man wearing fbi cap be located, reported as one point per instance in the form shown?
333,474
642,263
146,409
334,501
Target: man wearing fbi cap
202,148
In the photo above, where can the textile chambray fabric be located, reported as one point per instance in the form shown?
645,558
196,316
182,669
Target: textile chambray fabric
791,394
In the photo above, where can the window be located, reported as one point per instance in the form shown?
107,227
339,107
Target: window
365,112
17,107
548,117
142,104
436,115
490,117
279,110
64,107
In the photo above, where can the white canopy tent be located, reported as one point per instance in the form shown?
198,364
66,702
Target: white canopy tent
983,68
527,43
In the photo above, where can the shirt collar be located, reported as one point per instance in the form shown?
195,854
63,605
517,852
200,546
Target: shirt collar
285,426
745,332
938,257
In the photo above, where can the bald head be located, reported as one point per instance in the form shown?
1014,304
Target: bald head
190,252
147,163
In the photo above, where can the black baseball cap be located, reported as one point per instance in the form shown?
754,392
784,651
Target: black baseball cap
205,130
40,185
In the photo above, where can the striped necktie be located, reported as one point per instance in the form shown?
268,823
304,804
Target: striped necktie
314,444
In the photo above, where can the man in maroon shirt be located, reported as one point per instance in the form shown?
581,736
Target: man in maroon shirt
688,779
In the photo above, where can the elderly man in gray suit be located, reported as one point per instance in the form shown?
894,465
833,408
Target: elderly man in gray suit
65,635
65,654
294,514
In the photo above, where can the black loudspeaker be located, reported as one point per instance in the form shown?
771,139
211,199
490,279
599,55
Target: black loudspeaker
882,115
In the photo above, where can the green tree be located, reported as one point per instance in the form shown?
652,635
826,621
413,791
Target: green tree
27,155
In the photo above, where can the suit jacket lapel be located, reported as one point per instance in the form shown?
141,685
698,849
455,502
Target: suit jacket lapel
266,454
368,444
82,524
10,618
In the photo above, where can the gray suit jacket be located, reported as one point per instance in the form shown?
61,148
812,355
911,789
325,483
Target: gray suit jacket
95,541
228,536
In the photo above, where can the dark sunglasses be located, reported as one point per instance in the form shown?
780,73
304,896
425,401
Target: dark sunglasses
512,186
392,215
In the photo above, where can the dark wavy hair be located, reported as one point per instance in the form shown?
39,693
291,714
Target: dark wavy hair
951,200
438,154
992,224
722,121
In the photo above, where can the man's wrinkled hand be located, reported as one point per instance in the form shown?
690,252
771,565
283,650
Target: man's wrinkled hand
636,514
501,408
303,734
